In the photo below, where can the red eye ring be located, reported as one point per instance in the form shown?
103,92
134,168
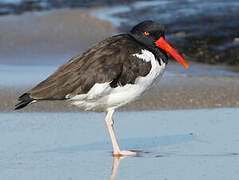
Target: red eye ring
146,33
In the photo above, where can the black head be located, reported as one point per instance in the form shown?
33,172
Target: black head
147,32
151,35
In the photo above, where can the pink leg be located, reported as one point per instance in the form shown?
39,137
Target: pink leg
116,150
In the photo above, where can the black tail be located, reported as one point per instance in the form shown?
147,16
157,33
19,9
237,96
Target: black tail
24,99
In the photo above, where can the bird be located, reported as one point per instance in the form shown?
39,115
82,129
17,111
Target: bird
110,74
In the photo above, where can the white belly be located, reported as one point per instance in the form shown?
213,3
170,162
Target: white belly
102,97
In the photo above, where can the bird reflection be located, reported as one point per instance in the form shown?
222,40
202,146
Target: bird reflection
115,166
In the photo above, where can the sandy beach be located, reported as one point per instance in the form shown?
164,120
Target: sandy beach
180,93
52,38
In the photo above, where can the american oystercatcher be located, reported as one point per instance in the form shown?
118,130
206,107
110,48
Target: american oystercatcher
110,74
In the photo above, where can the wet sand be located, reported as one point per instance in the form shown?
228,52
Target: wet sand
184,144
52,38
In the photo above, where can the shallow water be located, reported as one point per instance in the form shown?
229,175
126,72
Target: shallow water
27,76
183,144
165,11
11,1
21,76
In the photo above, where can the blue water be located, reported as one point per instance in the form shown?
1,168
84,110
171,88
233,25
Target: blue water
183,144
28,76
11,1
22,76
168,12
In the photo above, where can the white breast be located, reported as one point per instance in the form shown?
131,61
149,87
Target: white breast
156,68
102,97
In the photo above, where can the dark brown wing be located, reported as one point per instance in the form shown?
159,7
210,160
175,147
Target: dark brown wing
108,61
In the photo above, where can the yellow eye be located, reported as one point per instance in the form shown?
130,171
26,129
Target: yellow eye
146,33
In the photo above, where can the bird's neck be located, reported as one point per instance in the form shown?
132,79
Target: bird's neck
159,54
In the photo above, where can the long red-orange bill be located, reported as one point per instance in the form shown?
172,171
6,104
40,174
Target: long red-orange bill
161,43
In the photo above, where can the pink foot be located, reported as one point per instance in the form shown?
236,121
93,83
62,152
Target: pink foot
125,153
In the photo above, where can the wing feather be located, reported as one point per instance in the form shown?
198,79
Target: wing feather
108,61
